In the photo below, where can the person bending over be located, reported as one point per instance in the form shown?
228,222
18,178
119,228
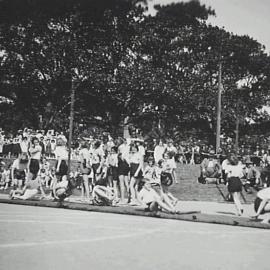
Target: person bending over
262,205
102,194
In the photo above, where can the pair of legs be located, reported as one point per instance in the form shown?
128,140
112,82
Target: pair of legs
237,202
133,186
87,188
161,203
18,183
124,187
113,183
23,195
168,197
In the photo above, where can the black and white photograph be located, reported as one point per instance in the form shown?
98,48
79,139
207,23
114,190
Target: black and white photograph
134,134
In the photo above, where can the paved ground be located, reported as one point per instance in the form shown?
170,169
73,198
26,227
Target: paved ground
42,238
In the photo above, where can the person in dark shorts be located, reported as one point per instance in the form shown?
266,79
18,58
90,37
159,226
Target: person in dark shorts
85,168
112,171
97,159
235,173
136,166
61,155
123,171
35,153
19,170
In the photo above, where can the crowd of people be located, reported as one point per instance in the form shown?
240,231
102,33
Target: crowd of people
123,171
107,174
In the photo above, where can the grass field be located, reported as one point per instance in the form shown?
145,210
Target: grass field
48,238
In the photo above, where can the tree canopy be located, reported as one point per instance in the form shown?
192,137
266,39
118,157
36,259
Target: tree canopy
160,70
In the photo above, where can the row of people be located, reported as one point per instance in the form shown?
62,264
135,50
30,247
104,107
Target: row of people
122,168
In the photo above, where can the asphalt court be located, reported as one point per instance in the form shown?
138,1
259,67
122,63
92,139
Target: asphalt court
49,238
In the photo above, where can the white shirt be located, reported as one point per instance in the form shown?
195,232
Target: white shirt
24,146
225,164
84,154
124,150
36,155
158,153
98,155
235,170
141,150
61,152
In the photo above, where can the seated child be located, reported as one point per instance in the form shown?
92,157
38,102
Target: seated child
102,194
251,176
153,201
30,190
210,169
164,173
61,189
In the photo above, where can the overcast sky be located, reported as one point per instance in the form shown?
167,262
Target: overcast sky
251,17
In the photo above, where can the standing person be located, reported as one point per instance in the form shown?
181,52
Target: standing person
41,143
235,173
35,153
24,144
141,149
136,166
61,155
171,150
123,171
53,146
112,163
97,159
159,151
19,170
48,148
123,149
85,166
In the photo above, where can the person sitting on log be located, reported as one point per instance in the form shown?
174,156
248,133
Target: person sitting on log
210,169
153,201
251,175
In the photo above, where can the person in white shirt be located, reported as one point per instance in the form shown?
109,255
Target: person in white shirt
112,171
85,166
35,153
61,155
123,149
171,150
24,145
159,151
262,204
19,170
235,173
97,159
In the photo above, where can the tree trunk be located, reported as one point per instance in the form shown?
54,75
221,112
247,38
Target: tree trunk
71,119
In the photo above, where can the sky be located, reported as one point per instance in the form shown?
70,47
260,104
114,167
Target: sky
242,17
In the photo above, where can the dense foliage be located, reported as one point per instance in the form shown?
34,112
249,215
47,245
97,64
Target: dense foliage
160,70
